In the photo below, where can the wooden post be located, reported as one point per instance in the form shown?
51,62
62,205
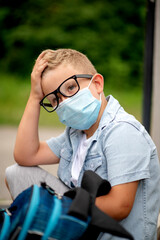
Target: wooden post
155,113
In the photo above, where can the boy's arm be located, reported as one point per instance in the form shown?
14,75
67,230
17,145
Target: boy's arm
119,202
29,151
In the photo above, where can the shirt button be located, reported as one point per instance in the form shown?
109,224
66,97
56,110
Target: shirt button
66,183
92,165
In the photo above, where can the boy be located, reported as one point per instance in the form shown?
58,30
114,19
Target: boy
100,136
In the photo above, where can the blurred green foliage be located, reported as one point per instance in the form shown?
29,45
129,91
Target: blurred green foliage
110,33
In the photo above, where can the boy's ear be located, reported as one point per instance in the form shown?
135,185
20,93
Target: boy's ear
98,80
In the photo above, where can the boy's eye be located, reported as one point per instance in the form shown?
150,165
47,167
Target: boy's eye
52,100
69,88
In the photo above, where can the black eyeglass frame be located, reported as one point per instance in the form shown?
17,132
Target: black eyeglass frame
89,76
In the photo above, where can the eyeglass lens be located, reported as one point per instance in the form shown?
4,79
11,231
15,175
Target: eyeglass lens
67,89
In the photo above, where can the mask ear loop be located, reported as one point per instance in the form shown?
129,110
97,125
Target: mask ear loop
90,82
100,96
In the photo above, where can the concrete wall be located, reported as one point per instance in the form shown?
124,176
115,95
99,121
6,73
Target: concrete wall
155,115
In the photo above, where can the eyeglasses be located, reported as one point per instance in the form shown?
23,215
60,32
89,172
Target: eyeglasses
68,88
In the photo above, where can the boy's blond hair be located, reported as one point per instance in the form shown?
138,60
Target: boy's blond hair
69,56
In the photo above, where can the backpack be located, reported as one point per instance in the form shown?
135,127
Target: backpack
40,213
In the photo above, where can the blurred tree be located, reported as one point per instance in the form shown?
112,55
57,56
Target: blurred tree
110,33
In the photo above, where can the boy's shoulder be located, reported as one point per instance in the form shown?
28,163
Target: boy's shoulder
114,113
117,122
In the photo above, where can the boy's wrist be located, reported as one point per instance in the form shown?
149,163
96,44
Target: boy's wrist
34,100
35,96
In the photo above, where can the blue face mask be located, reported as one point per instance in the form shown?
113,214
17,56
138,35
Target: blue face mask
80,111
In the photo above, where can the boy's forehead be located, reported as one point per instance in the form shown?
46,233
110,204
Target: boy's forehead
54,77
62,71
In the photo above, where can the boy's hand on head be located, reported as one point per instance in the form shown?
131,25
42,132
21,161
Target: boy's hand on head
36,77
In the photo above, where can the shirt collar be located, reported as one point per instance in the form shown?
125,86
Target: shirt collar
110,111
108,115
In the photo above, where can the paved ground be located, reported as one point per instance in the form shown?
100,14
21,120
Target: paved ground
7,140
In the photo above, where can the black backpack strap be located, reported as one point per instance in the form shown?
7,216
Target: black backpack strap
94,184
101,222
81,203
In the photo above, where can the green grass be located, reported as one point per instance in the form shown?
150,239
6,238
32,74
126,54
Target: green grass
14,92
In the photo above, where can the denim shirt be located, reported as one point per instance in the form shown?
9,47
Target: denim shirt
121,151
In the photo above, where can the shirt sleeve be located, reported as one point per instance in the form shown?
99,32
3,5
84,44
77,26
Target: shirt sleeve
127,153
55,144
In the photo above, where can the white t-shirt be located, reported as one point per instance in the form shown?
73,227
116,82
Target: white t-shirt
79,158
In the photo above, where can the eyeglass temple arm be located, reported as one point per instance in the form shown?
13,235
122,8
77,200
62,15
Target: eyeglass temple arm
47,104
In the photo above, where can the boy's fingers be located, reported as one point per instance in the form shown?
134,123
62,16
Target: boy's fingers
43,66
41,56
38,69
39,64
